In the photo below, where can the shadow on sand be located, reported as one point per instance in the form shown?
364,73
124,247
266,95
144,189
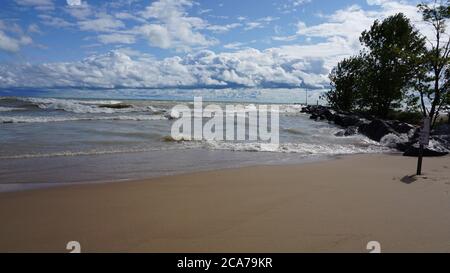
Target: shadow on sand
408,179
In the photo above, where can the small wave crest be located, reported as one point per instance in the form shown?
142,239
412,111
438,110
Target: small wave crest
71,153
391,140
82,106
90,152
295,131
301,148
10,109
44,119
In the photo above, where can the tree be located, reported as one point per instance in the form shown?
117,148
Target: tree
393,47
345,84
378,78
434,83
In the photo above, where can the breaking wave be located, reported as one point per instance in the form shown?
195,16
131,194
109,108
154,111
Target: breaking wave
301,148
9,109
42,119
81,106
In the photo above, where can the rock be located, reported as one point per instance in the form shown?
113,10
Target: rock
365,116
403,147
376,129
305,110
318,112
401,127
115,106
350,131
395,134
329,115
437,147
427,152
443,129
346,120
314,117
416,134
443,140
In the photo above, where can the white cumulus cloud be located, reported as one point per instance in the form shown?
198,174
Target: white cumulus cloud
12,37
175,27
245,68
340,30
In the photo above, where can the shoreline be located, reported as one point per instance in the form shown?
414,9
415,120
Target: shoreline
328,206
31,186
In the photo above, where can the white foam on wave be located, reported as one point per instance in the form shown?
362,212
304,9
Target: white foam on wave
243,110
301,148
100,102
391,140
86,106
71,153
10,109
92,152
73,106
291,109
44,119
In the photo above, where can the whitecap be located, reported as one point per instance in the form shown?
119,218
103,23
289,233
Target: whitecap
85,106
10,109
301,148
44,119
391,140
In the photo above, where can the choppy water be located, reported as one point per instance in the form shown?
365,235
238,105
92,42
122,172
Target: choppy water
45,140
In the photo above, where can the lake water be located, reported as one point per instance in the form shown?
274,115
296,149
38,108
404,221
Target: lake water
46,141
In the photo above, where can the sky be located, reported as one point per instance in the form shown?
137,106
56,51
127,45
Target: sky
183,43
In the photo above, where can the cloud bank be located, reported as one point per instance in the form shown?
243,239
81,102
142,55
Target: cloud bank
122,69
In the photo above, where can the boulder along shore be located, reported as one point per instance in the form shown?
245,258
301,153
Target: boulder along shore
393,133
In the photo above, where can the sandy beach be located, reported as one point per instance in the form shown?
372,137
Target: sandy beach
332,206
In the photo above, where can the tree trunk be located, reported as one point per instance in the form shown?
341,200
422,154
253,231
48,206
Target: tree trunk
437,95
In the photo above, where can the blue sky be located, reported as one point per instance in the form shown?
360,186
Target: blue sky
182,43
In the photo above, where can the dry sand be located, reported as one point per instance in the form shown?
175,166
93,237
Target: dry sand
332,206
